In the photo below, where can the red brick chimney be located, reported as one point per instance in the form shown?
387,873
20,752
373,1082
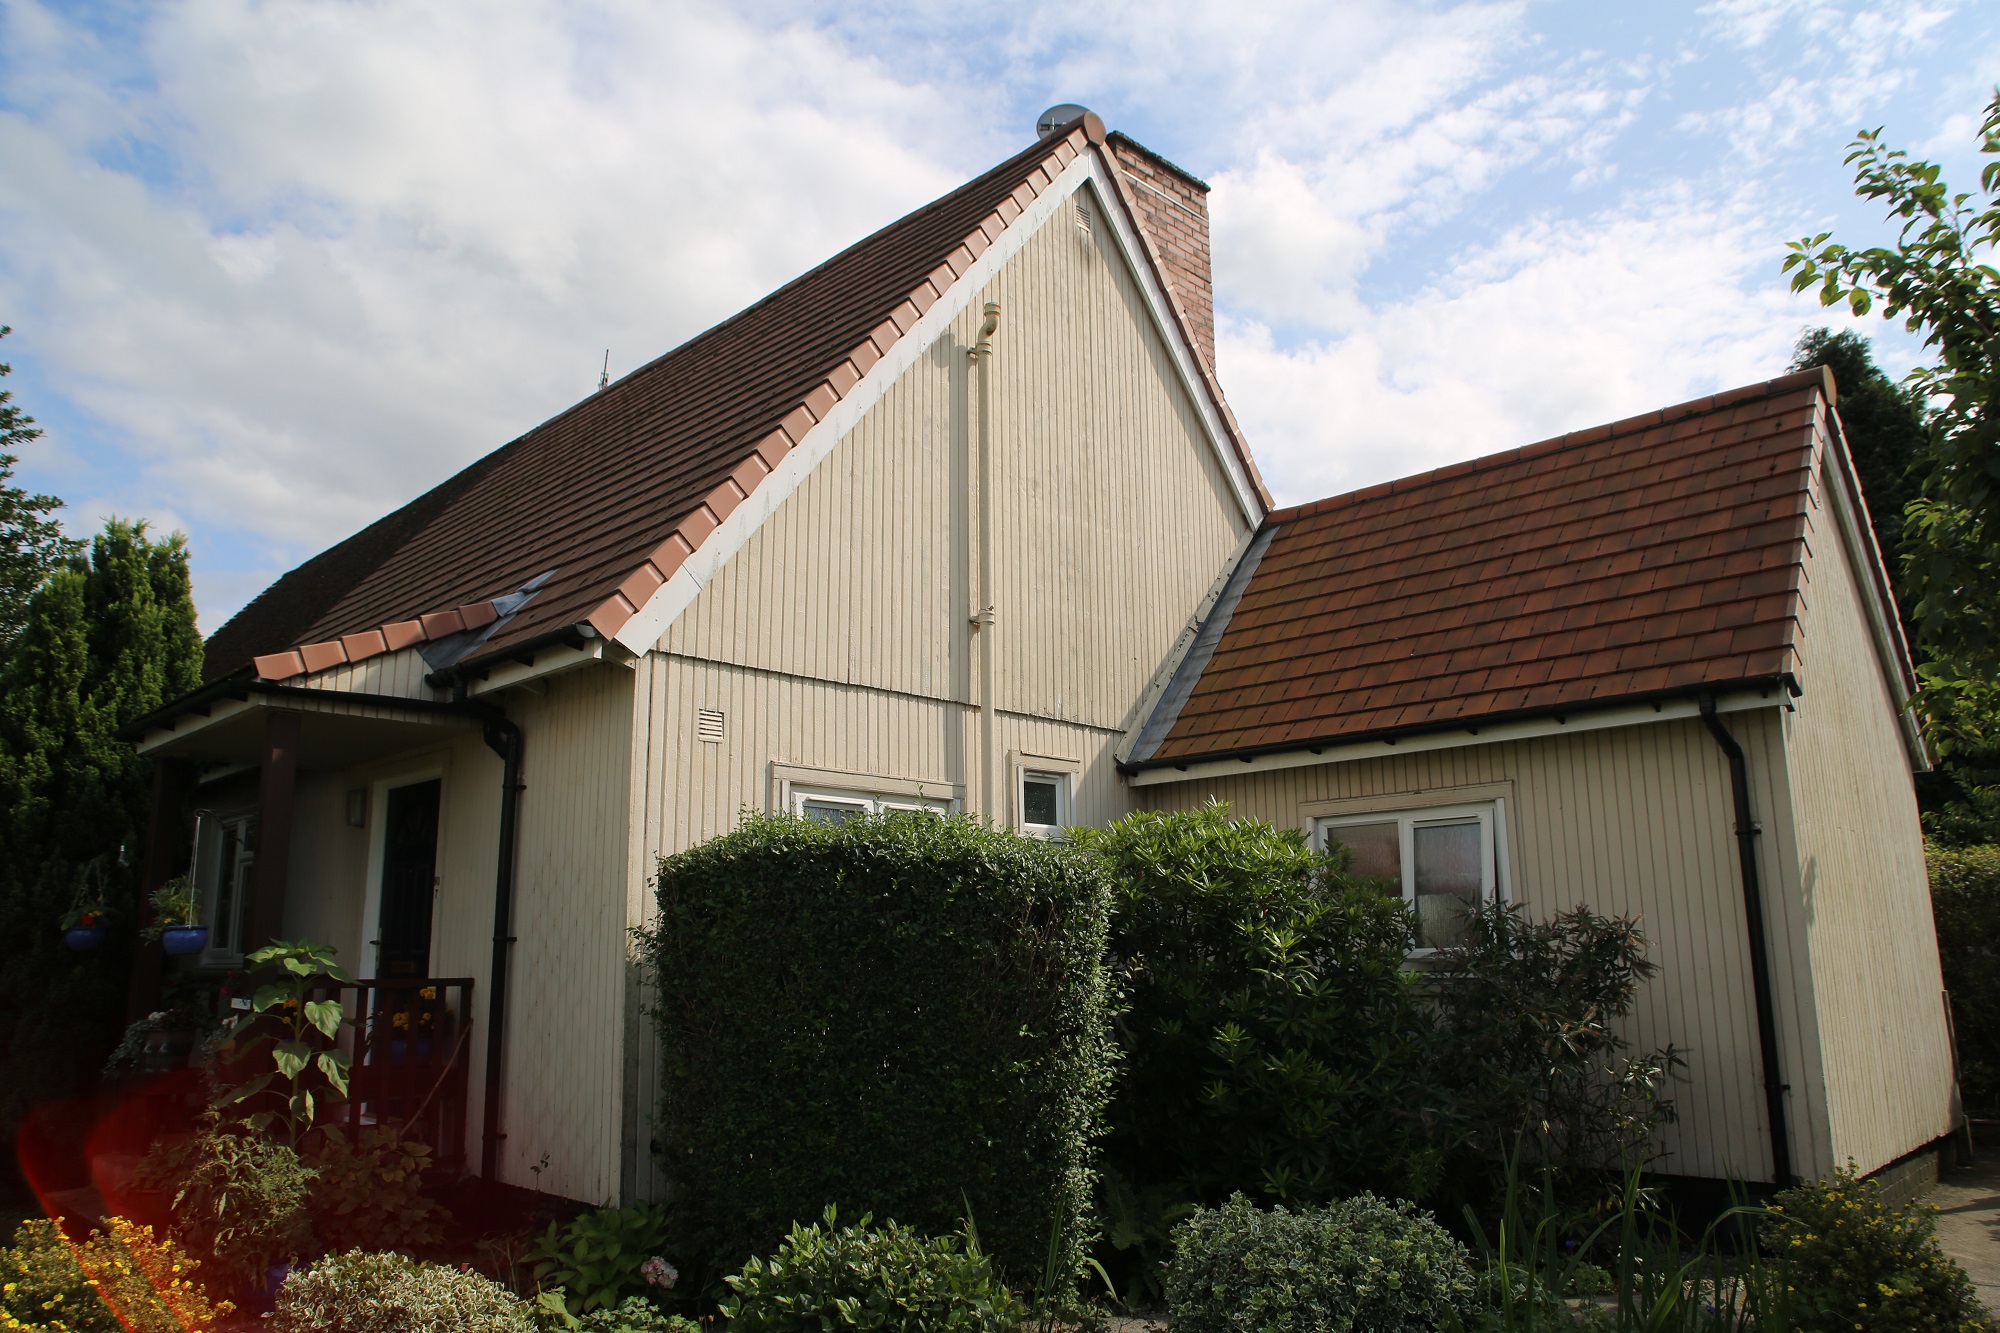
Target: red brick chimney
1173,210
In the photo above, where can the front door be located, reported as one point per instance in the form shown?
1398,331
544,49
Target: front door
409,880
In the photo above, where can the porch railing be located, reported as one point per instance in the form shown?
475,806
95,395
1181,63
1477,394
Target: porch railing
411,1046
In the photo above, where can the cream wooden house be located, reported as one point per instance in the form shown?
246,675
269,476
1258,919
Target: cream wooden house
960,520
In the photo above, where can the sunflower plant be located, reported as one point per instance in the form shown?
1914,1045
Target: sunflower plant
296,971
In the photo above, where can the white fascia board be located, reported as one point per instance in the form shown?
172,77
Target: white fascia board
1864,558
188,724
1630,715
507,674
1192,382
650,623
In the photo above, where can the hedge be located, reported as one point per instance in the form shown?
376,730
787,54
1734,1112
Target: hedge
1965,899
900,1015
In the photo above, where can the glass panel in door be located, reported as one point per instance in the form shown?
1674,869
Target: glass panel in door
409,880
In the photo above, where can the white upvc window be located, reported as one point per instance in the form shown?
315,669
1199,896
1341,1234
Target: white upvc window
225,877
1446,859
1042,798
836,805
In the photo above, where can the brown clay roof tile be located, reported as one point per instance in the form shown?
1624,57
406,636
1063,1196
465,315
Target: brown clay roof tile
624,480
1658,553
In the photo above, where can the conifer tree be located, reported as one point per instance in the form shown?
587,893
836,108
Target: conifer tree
31,542
105,639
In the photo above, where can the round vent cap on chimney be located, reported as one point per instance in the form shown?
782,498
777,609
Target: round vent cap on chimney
1059,117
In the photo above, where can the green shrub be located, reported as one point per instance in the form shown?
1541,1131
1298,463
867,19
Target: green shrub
238,1198
123,1282
1965,901
878,1279
358,1292
371,1191
1362,1264
1527,1062
902,1014
1273,1040
1278,1041
634,1314
1853,1261
598,1259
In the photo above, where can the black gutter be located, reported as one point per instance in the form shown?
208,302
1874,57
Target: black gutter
1391,735
1760,960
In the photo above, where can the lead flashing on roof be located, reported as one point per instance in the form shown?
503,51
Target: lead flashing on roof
1161,715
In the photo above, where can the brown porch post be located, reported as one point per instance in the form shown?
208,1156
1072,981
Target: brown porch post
166,843
274,828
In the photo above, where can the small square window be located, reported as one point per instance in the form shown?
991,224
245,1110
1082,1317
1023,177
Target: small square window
1044,802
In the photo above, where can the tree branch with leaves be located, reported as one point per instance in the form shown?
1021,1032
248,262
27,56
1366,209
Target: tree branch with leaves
1939,278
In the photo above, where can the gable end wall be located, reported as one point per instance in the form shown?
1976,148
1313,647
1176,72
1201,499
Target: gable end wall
1856,864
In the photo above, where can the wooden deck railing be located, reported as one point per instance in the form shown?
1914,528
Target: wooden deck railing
411,1044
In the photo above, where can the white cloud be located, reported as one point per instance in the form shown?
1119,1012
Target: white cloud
1557,327
295,262
387,239
1817,63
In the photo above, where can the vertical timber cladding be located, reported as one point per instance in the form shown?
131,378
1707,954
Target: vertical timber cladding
1104,484
1627,820
562,1085
1858,865
838,638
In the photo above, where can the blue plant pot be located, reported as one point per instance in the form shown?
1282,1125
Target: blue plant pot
274,1278
82,938
180,941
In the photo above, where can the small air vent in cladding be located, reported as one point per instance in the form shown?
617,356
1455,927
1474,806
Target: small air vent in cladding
708,726
1082,213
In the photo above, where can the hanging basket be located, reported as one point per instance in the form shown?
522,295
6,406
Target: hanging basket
181,941
83,938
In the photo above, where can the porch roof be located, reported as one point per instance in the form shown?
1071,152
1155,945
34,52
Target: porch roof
227,724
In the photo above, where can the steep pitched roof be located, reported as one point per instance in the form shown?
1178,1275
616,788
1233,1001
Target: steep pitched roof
609,498
1654,556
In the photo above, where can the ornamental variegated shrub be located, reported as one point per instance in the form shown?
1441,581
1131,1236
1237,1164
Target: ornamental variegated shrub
1362,1265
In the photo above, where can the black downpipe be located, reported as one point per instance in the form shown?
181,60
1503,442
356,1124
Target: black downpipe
504,739
1760,958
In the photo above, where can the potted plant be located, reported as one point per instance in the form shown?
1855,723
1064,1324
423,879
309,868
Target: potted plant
176,924
83,924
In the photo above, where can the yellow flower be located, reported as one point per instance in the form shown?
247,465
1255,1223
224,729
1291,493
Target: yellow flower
429,992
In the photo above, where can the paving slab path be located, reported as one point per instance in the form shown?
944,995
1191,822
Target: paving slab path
1968,1221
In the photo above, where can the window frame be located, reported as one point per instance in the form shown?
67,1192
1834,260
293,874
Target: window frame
212,830
1021,766
1057,831
789,782
864,801
1495,881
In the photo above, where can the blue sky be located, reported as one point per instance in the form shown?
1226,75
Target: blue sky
275,268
